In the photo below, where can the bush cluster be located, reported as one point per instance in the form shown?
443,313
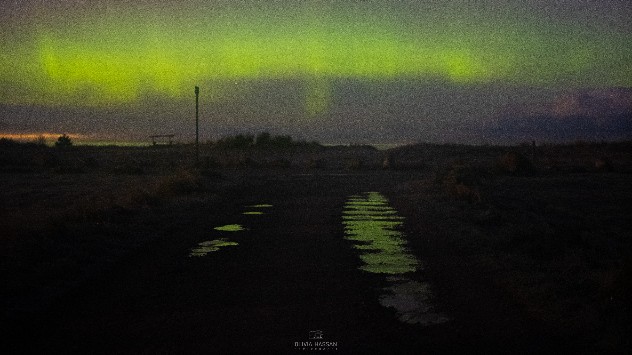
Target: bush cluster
261,140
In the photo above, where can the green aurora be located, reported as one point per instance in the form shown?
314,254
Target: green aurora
116,57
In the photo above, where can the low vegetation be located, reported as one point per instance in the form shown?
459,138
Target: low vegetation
543,228
263,140
60,228
63,141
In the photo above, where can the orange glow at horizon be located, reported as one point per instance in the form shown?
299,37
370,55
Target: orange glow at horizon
35,136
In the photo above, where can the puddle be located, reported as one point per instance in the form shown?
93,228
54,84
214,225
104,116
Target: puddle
214,245
230,228
210,246
259,206
413,302
375,229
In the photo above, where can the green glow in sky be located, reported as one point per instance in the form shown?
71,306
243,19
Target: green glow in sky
115,58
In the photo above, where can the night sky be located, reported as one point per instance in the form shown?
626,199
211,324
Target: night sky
335,71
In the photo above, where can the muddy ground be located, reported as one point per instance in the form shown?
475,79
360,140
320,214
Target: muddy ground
96,257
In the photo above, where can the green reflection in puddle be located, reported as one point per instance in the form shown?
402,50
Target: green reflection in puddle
369,212
389,263
257,206
365,204
374,227
230,228
210,246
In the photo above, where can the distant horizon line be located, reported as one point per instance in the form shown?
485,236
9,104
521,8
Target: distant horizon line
85,140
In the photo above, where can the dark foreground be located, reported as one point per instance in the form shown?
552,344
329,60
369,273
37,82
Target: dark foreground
291,273
532,264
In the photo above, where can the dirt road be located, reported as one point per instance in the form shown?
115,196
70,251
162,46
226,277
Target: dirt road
289,282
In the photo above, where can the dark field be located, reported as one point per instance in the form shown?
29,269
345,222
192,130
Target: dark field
525,249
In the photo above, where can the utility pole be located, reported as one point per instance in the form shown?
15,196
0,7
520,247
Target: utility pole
197,129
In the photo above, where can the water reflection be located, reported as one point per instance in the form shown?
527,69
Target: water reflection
230,228
371,222
210,246
256,207
374,227
214,245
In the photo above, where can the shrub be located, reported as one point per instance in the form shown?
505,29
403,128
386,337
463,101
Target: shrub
603,165
40,140
315,163
466,193
184,182
282,141
209,162
70,166
263,139
8,142
354,164
514,163
238,141
462,182
128,169
279,163
465,174
63,141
